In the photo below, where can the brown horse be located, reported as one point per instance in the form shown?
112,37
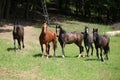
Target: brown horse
18,34
102,42
69,38
46,37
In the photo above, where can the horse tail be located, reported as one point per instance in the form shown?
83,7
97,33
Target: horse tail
108,45
108,48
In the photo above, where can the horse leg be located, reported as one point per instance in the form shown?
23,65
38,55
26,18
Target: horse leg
19,44
106,53
62,46
42,50
101,54
54,47
88,50
14,45
81,50
47,50
23,42
97,53
80,47
92,49
63,55
108,50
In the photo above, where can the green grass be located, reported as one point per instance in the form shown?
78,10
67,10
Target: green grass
27,64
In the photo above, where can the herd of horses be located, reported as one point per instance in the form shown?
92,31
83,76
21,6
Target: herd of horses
46,36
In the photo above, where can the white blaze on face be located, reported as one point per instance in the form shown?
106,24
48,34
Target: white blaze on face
44,27
15,28
87,30
58,31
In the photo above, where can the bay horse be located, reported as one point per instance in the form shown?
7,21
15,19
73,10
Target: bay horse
88,41
18,34
46,37
102,42
68,38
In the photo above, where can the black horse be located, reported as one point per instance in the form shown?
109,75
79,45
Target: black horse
68,38
102,42
18,34
88,41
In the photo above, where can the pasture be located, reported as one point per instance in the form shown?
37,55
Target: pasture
27,64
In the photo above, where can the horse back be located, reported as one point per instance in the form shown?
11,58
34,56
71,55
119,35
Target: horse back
18,33
104,40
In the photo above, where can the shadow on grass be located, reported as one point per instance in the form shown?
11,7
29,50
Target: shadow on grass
60,56
40,55
37,55
10,49
50,56
91,59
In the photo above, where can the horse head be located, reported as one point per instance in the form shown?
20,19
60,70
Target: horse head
58,30
15,26
95,34
86,29
44,27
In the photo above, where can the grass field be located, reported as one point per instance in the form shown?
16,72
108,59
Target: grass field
27,64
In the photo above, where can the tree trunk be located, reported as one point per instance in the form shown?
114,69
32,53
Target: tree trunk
7,8
3,4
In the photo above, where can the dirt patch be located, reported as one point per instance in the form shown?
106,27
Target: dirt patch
116,26
113,33
23,75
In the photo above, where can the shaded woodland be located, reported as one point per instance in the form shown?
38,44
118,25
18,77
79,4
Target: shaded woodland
100,11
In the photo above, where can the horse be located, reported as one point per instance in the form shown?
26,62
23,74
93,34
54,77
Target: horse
102,42
18,34
47,36
69,38
88,41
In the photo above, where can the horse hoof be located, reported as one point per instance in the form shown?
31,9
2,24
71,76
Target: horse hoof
102,60
86,55
79,55
42,56
47,57
23,46
63,56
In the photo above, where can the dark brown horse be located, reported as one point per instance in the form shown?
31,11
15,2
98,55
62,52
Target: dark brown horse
68,38
88,41
102,42
46,37
18,34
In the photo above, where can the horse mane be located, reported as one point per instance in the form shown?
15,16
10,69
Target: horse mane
62,30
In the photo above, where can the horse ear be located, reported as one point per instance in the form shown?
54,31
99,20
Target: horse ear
97,30
93,29
57,26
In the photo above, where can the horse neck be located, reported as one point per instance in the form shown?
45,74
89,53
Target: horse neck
62,31
97,39
86,35
43,30
15,28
